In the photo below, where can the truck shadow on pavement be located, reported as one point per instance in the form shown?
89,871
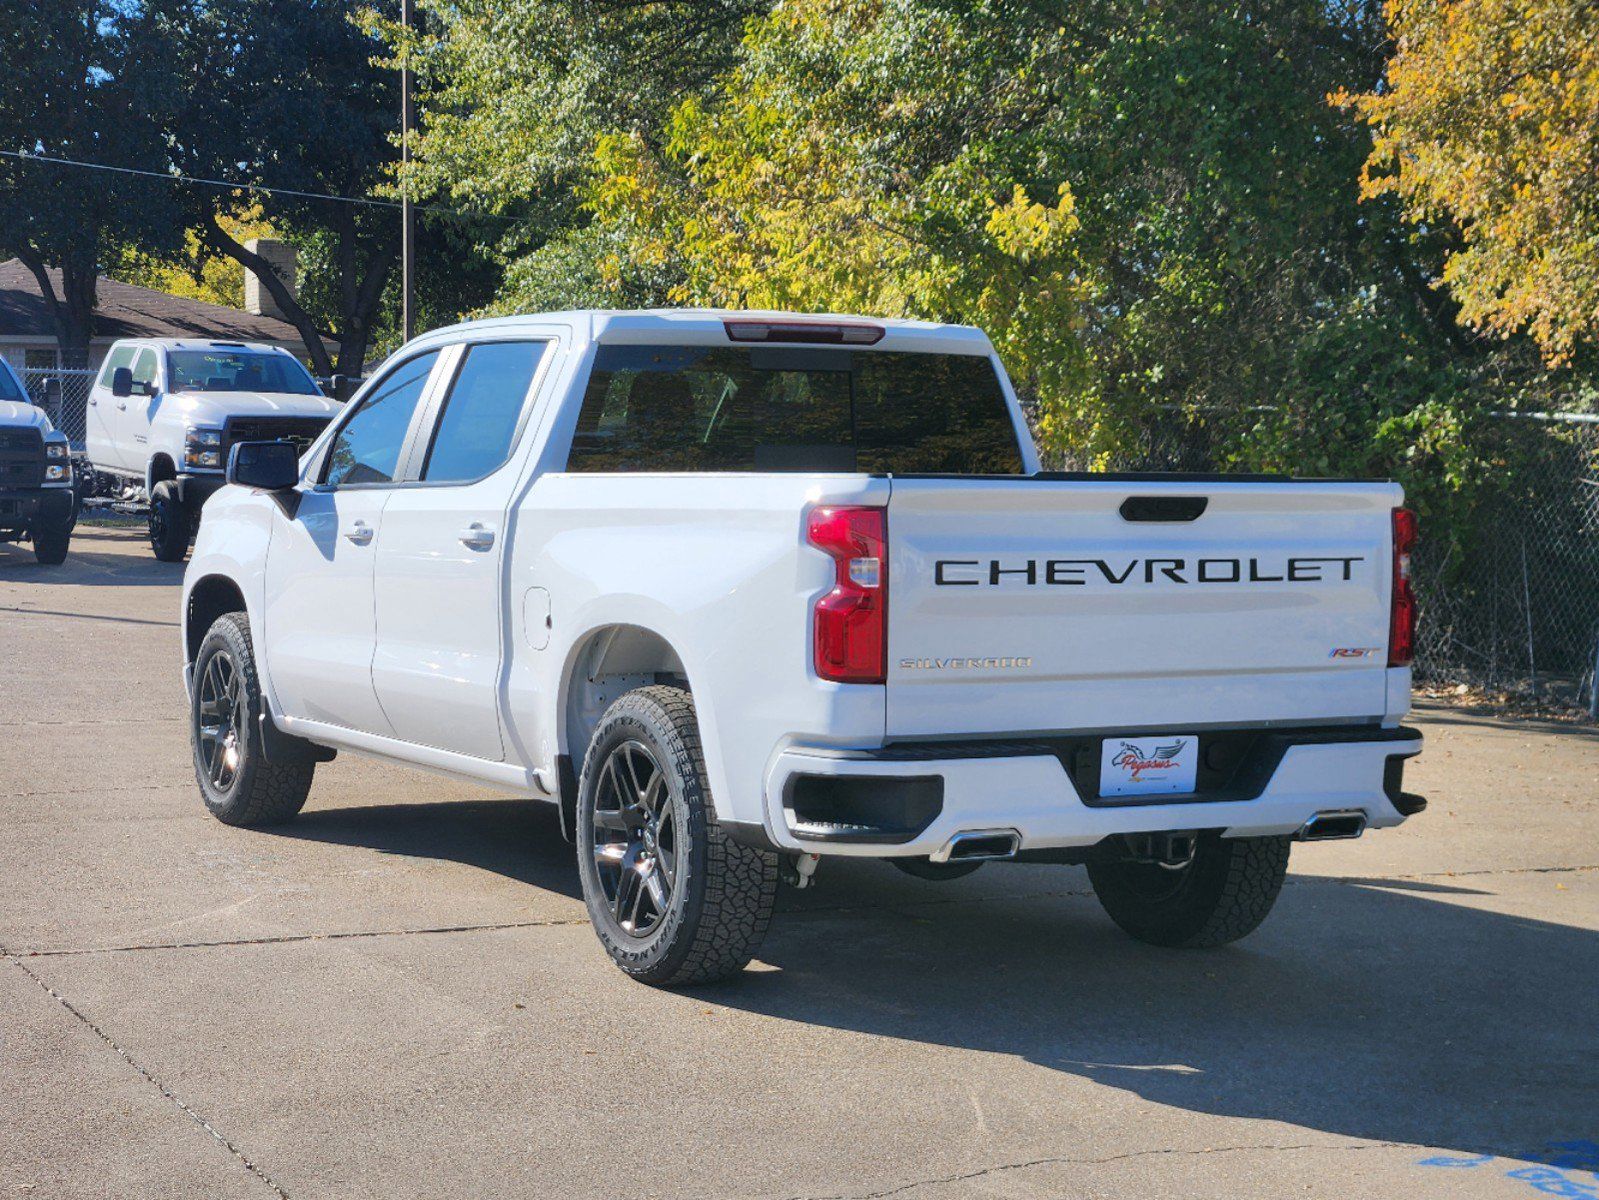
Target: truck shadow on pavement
520,839
1387,1010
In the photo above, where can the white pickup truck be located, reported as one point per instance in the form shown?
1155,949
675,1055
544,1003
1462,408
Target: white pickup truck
741,591
37,502
164,413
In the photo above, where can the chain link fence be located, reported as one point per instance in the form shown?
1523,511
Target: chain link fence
64,394
1520,610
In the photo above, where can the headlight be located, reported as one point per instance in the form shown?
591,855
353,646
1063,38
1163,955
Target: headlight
203,448
58,472
56,450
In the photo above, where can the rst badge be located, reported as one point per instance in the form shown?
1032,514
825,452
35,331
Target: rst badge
1153,765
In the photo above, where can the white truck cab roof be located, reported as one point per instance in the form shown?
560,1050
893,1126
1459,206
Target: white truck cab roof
715,325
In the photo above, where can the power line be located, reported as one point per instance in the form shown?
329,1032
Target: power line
249,187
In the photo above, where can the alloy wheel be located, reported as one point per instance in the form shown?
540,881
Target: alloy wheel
635,838
221,719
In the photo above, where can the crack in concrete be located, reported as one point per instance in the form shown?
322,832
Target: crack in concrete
184,1108
289,938
52,612
964,1176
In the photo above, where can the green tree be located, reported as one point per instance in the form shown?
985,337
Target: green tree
89,81
290,96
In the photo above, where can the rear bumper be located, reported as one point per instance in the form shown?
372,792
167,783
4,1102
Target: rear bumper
23,507
913,800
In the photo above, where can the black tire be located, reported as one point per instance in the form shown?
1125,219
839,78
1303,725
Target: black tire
171,523
1223,894
926,868
672,899
249,791
50,543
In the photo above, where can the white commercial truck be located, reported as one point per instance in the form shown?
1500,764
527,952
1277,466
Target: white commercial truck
740,591
164,412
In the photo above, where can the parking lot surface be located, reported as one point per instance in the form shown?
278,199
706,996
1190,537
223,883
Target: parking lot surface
398,994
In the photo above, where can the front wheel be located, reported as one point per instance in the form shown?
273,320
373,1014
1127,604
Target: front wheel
171,524
1223,893
50,543
672,899
237,782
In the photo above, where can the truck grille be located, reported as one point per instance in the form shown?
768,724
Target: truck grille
302,431
21,458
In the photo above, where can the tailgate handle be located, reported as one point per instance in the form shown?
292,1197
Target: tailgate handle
1163,508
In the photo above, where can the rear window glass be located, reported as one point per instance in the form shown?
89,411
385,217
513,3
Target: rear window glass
769,408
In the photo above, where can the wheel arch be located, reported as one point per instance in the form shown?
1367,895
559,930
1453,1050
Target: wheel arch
210,597
602,664
161,467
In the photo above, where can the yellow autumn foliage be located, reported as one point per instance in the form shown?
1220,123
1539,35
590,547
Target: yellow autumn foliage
1489,120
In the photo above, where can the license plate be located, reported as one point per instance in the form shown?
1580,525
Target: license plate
1148,765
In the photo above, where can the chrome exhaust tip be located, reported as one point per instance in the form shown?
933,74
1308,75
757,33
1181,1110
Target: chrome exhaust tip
1333,825
979,845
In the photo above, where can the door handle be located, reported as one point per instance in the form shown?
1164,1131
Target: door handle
476,537
360,533
94,403
122,406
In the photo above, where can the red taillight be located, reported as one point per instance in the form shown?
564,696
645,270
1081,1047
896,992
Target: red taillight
1402,613
851,639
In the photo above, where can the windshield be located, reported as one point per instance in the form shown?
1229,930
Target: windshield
10,389
219,370
704,408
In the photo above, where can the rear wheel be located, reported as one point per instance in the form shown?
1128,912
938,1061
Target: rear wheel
672,899
237,783
171,523
1221,894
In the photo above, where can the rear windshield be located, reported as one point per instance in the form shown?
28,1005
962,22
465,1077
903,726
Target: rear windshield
766,408
238,371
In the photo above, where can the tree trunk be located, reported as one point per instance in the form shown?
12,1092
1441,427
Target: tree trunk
72,310
224,243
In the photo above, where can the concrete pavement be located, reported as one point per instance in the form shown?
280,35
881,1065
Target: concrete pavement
398,994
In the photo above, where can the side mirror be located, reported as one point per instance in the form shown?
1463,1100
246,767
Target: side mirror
273,466
122,382
342,387
52,393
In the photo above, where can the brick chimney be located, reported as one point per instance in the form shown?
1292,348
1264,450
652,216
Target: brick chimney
284,260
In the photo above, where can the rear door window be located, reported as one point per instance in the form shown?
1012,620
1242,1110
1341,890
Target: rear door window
367,447
770,408
481,414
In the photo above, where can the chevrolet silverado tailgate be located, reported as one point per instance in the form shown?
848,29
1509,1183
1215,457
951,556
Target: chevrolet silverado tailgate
1043,604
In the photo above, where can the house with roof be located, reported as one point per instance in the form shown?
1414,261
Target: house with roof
27,336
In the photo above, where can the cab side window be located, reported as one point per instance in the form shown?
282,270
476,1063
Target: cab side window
144,371
367,447
480,416
122,356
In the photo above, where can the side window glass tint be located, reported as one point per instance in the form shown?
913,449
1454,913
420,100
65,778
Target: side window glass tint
144,369
480,415
122,356
367,447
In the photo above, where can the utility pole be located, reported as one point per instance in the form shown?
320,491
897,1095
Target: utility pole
407,217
